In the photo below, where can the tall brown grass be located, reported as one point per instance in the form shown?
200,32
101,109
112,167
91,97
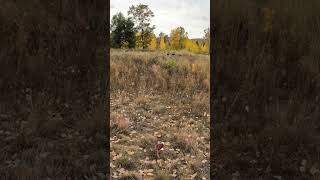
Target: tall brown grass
154,70
268,63
49,48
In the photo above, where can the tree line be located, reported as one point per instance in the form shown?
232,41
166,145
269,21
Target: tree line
136,31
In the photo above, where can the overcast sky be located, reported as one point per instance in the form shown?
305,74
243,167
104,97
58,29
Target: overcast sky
193,15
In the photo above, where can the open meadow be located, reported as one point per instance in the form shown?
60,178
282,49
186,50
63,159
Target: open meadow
158,96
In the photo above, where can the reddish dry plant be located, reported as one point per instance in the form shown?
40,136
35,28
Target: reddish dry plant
159,147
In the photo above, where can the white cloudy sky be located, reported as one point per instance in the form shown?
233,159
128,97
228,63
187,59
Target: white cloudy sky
193,15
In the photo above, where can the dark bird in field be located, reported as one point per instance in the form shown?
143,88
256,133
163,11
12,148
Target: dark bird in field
173,54
159,147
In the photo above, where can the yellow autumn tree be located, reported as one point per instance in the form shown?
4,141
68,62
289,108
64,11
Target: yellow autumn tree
174,40
139,43
204,48
162,44
177,38
188,44
153,43
191,46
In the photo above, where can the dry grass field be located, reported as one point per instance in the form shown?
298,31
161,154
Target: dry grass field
159,97
52,112
267,88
